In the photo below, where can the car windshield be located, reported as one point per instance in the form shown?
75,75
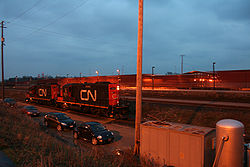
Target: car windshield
31,108
97,127
9,100
62,116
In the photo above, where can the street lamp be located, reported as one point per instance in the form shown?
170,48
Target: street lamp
119,79
153,77
182,63
80,76
97,72
16,82
118,71
214,73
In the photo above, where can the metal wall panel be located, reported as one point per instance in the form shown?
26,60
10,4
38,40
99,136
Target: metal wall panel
177,145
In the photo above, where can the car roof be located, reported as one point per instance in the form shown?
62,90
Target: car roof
92,123
56,113
8,99
29,106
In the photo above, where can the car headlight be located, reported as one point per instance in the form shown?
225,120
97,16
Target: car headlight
99,137
112,133
64,124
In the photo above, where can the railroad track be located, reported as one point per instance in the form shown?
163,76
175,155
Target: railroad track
98,117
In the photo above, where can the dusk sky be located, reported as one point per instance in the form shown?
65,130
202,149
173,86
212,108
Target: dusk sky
63,37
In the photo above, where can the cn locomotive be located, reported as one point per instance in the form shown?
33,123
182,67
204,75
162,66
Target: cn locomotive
100,98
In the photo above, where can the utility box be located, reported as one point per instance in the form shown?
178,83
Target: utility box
177,145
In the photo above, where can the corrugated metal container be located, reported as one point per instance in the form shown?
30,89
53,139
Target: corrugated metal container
177,145
230,143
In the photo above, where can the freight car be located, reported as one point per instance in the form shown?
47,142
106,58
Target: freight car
100,98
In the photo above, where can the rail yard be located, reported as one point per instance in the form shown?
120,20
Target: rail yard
113,105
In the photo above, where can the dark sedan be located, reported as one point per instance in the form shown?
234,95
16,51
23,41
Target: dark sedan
30,110
10,102
94,132
59,120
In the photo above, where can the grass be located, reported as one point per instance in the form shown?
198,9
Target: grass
195,115
27,144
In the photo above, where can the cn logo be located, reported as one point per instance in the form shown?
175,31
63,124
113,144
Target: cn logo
86,94
42,92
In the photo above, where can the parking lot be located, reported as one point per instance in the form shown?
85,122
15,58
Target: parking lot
123,135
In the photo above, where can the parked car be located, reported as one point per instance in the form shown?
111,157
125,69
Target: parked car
10,102
94,132
59,120
31,110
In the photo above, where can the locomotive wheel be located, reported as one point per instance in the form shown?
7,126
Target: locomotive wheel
94,141
64,106
46,123
117,116
75,135
59,127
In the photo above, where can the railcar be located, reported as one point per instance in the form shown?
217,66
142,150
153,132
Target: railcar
101,98
43,93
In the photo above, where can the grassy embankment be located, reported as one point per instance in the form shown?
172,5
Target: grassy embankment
206,95
199,115
27,144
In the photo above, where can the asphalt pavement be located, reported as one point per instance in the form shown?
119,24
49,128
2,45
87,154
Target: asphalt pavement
5,161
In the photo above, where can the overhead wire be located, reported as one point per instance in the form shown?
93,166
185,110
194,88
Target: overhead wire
60,34
24,12
60,17
65,36
90,49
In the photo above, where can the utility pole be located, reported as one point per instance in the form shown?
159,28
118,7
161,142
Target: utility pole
2,44
80,77
182,63
119,78
139,79
214,73
153,77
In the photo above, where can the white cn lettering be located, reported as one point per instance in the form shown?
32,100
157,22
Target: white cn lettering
88,93
42,92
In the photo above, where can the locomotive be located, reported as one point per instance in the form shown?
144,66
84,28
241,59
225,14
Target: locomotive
100,98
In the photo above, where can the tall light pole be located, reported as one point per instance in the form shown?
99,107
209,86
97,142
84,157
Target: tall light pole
2,44
118,71
139,79
182,63
119,79
214,73
80,76
97,73
153,77
16,82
